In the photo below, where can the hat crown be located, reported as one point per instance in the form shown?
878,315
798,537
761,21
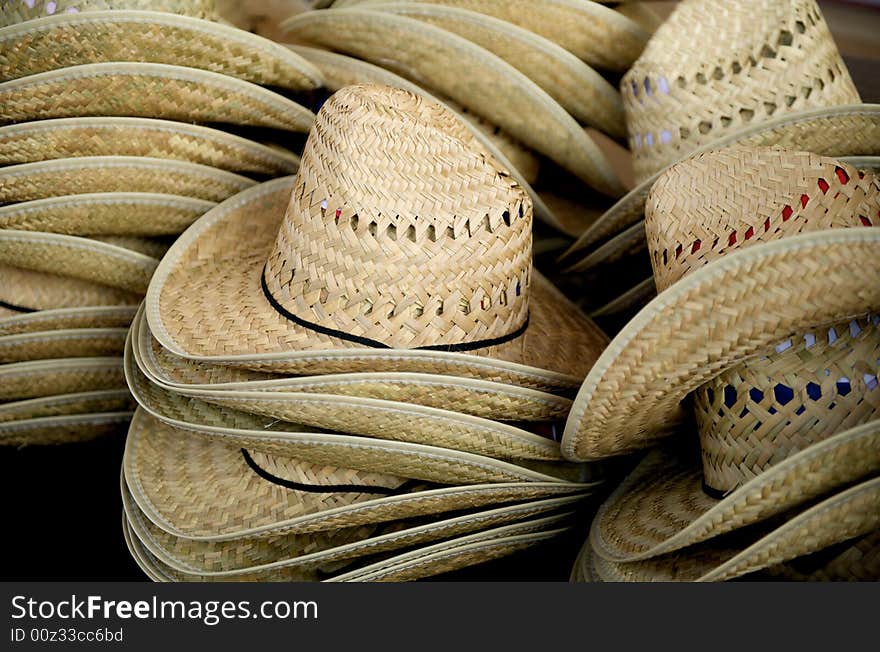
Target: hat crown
718,202
401,230
18,11
717,66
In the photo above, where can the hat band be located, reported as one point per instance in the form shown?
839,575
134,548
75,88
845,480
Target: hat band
366,341
12,306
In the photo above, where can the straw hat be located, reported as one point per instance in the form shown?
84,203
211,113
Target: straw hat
25,291
36,379
62,429
101,401
40,140
592,32
851,513
767,295
480,81
70,343
38,36
92,174
148,90
485,313
854,561
64,318
718,72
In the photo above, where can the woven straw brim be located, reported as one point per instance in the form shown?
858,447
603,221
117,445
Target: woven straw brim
340,71
597,34
661,506
856,561
70,343
104,174
63,429
848,514
708,321
110,213
63,40
578,88
148,90
276,436
852,130
206,274
196,488
41,140
67,318
480,398
295,557
480,81
24,291
41,378
82,258
154,247
104,401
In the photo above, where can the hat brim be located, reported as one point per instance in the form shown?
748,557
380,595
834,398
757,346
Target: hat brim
848,514
661,506
41,378
41,140
149,90
481,82
102,401
850,130
206,274
62,429
26,291
707,322
64,318
63,40
69,343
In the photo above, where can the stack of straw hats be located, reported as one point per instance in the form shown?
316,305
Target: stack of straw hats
535,72
766,334
717,73
107,155
355,373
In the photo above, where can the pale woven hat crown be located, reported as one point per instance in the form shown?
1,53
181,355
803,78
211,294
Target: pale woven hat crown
717,66
18,11
401,230
816,383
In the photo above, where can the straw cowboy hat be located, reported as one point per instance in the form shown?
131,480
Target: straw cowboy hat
41,140
38,36
718,72
379,302
849,514
481,82
726,307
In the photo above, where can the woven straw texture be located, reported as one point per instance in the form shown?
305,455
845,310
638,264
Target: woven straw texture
482,83
80,258
716,203
152,247
98,174
854,561
579,89
117,213
558,337
66,318
661,506
596,34
62,430
63,40
226,499
30,142
13,13
33,290
717,66
148,90
24,380
73,343
110,400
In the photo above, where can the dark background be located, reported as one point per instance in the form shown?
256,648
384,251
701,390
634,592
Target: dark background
61,506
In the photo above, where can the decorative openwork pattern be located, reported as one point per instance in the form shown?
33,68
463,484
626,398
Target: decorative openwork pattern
717,66
810,387
715,203
428,244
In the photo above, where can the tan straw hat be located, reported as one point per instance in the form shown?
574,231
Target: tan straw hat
597,34
37,36
90,402
65,318
761,300
349,278
848,514
41,140
148,90
478,80
718,72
